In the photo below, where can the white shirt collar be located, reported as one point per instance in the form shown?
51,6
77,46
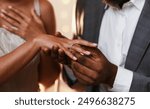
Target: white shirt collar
136,3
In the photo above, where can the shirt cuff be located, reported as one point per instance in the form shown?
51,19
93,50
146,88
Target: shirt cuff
122,81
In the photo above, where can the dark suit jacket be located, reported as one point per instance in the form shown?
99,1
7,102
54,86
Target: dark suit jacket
138,59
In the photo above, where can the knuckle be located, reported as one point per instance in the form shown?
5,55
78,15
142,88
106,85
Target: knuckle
95,76
25,25
76,41
91,82
29,20
99,69
82,82
97,59
82,59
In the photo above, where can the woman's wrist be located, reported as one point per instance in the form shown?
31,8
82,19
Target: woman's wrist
39,41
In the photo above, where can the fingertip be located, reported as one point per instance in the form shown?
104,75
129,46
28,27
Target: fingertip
61,51
1,15
74,58
82,54
45,49
10,7
4,26
87,53
94,44
3,11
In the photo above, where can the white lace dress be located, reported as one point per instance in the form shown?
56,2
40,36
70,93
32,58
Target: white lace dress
27,78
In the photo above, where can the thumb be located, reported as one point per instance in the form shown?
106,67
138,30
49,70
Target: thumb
35,16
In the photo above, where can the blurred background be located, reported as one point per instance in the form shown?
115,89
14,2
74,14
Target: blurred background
65,16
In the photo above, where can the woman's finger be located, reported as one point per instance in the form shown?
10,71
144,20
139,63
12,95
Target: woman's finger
11,15
10,28
68,53
19,13
81,77
80,50
9,20
85,43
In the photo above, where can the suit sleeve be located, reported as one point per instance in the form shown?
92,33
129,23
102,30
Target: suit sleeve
140,83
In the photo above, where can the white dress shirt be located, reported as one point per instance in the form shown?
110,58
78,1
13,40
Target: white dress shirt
116,33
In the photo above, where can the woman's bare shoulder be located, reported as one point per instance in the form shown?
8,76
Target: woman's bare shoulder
46,5
48,16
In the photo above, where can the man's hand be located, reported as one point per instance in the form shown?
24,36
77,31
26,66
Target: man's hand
94,69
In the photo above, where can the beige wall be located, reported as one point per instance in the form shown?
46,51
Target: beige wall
64,11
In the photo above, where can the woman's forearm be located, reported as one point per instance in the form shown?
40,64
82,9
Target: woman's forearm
13,62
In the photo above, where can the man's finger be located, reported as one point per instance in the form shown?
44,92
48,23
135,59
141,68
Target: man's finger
61,56
85,60
85,43
54,52
82,78
84,70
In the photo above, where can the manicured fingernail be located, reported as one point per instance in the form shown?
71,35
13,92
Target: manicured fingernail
87,53
4,26
3,11
82,54
94,44
9,7
74,58
1,14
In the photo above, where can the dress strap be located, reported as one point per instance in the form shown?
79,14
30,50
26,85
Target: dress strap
37,7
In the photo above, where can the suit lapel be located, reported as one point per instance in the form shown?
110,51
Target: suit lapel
93,17
99,21
141,39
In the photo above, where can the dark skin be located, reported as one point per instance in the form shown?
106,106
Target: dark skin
33,30
89,70
26,6
115,3
94,69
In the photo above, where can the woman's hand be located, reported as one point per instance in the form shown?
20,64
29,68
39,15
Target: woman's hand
28,28
64,45
21,24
